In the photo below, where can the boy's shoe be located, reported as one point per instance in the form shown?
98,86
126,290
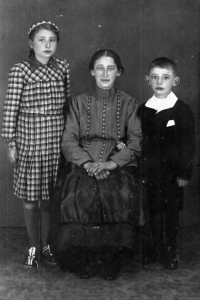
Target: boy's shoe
151,258
171,259
171,264
151,255
31,258
48,257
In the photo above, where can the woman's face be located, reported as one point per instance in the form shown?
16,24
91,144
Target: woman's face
105,72
44,45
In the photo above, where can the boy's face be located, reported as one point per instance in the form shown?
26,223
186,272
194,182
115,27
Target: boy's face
161,81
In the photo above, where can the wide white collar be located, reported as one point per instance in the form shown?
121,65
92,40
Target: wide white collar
167,102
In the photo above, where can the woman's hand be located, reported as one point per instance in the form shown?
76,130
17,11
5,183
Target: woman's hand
86,165
95,168
102,175
12,154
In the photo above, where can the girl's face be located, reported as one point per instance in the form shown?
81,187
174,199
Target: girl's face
44,45
105,72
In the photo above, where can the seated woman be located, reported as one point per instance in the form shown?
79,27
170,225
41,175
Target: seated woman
101,198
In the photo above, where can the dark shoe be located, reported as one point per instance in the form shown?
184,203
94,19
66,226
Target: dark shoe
31,259
109,266
83,274
171,264
48,257
108,272
171,260
152,257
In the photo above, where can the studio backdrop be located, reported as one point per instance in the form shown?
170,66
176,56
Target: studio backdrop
139,30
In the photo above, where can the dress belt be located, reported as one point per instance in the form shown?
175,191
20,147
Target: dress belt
37,112
103,140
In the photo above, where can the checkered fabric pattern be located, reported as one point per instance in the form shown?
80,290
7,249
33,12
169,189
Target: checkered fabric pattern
33,123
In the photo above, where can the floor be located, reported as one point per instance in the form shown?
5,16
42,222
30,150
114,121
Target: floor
136,282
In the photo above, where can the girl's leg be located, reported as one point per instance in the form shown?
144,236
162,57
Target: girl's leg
45,214
31,214
45,207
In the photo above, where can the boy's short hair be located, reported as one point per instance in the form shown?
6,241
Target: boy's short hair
163,63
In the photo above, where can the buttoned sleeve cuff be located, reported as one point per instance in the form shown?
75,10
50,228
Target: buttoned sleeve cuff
85,163
124,157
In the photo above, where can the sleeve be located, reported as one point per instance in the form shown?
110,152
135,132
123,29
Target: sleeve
133,137
70,142
11,106
67,89
187,145
67,82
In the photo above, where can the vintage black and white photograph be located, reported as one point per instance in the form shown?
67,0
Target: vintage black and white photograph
99,150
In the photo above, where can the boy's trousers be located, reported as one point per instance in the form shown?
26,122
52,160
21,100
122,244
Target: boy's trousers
164,203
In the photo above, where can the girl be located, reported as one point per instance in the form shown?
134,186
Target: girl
100,194
33,123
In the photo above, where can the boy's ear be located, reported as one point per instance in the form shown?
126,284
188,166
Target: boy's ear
118,73
147,79
176,81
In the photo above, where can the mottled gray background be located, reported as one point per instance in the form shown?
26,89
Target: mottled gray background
139,30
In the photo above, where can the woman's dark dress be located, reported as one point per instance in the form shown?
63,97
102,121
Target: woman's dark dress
101,212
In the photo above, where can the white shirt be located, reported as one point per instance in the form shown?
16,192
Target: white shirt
161,104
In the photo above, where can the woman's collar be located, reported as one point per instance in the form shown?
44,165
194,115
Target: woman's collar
104,93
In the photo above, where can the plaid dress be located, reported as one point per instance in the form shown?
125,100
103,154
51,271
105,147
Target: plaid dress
33,123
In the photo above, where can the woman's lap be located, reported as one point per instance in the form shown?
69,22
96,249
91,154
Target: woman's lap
95,213
87,200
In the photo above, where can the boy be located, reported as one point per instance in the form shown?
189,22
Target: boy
167,158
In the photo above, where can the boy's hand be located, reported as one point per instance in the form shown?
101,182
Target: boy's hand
182,182
12,154
120,145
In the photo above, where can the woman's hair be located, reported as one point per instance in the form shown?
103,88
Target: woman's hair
109,53
163,63
47,26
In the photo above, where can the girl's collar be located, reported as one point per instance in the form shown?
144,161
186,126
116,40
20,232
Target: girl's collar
104,93
35,64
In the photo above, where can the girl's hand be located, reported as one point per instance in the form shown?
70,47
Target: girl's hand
120,145
96,168
12,154
182,182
